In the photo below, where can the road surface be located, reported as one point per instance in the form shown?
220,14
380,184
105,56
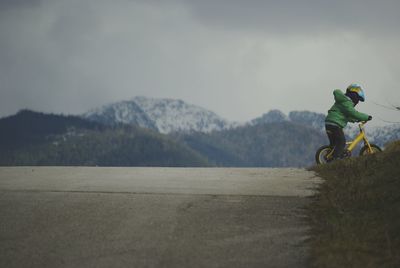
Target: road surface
153,217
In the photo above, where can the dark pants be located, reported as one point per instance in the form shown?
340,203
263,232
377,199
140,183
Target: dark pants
336,139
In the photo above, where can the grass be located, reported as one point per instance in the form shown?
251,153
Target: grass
355,214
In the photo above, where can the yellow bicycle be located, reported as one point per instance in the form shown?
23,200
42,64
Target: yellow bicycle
325,153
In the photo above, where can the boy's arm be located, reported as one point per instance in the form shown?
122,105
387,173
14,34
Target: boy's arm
353,114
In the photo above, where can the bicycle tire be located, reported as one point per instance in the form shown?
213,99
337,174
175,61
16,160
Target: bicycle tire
365,149
322,152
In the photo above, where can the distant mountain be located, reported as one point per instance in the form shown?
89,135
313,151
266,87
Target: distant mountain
273,116
196,137
277,144
175,116
124,112
170,116
380,135
383,135
31,138
307,118
29,127
163,115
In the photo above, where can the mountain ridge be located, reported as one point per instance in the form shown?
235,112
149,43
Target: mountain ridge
163,115
135,127
70,140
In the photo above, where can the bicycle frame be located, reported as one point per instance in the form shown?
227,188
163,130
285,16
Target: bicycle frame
360,137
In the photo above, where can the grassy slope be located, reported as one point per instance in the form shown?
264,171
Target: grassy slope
355,216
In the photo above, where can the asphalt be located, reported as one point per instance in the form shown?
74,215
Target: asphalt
153,217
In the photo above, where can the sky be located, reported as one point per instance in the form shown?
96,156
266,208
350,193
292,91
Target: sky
239,59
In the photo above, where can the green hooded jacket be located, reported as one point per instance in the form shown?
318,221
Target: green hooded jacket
343,111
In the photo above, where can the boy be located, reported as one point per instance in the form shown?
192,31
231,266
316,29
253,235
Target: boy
340,114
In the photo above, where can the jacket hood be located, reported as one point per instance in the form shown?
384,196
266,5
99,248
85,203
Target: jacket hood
340,96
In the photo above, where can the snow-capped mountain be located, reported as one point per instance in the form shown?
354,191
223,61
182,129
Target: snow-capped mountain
170,115
163,115
126,112
307,118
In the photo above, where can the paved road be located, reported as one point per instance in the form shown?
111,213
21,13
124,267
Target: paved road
153,217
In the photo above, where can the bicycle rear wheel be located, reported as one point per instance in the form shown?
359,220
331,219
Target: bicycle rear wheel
321,156
374,149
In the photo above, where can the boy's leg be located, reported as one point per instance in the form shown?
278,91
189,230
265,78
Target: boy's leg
337,140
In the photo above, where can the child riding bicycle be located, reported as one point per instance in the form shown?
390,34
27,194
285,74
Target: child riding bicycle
340,114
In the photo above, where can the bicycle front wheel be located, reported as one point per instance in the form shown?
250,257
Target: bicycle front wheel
374,149
321,156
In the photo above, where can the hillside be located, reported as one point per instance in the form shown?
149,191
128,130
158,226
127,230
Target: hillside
355,215
29,127
381,135
31,138
279,144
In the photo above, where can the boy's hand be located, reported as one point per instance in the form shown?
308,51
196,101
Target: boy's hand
369,118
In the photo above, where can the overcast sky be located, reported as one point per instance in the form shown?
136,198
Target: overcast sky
237,58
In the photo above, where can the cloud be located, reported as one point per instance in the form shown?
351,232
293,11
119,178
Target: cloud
8,4
300,16
238,58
